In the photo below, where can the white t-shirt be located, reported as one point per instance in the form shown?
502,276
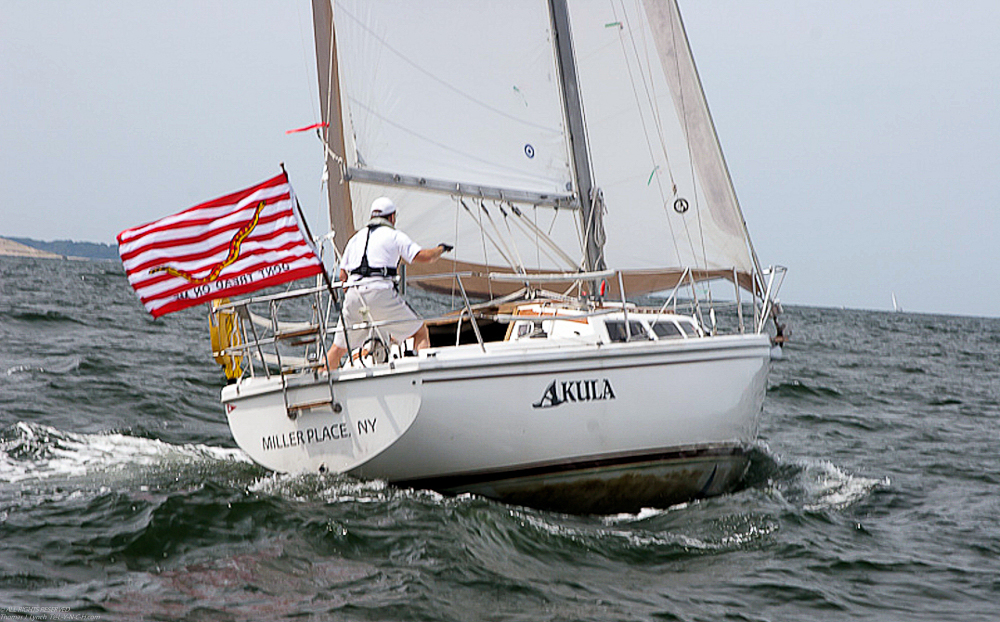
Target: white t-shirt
385,248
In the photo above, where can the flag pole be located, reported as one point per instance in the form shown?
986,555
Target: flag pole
326,277
305,225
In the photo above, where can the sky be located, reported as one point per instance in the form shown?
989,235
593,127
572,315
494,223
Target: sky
862,136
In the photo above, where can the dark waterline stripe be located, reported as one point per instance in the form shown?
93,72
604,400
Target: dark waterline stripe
460,480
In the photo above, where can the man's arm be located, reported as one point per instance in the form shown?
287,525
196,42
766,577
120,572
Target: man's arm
428,255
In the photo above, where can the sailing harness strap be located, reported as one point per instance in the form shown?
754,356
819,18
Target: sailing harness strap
364,270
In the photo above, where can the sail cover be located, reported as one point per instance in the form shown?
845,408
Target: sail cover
469,93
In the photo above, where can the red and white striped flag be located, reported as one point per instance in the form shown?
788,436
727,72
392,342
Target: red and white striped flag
233,245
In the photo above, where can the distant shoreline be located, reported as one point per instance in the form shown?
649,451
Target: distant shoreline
61,249
10,248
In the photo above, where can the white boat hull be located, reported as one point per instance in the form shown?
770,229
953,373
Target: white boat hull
579,427
369,418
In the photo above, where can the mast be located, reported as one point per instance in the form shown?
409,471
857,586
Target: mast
338,191
590,205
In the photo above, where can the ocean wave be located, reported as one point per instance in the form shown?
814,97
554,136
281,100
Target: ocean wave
828,487
816,485
23,369
328,488
496,528
798,389
608,539
810,484
38,452
40,317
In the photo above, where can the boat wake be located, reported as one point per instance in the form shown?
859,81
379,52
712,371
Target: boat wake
829,487
771,491
810,484
328,488
32,453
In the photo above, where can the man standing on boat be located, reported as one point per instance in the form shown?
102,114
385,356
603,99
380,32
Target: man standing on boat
367,268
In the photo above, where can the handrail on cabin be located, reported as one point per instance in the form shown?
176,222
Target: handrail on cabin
255,341
552,277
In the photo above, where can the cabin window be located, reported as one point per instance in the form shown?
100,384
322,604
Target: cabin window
616,330
667,330
689,327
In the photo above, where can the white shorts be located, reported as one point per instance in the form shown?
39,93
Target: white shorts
382,304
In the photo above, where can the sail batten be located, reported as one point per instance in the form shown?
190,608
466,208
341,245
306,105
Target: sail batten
460,189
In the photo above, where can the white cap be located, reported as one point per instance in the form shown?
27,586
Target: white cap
383,206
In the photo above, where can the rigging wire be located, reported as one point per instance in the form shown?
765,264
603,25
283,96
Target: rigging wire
649,85
529,229
306,66
317,114
513,242
580,241
517,266
486,236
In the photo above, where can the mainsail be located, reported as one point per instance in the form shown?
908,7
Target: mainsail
456,111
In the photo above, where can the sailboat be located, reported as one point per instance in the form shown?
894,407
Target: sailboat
566,151
895,305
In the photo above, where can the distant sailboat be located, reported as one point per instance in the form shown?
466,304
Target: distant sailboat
895,305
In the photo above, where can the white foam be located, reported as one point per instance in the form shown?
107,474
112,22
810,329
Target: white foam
639,539
753,532
20,369
829,487
641,515
330,488
42,452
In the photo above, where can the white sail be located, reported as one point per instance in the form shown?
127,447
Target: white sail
449,94
428,95
653,143
419,102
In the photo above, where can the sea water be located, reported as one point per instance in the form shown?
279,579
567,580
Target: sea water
872,493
